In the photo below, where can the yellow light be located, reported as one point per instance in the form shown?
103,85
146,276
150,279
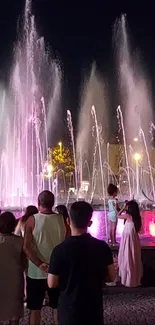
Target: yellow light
60,144
49,168
135,139
137,156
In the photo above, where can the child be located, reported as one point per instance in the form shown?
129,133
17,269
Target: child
129,257
61,209
11,271
113,210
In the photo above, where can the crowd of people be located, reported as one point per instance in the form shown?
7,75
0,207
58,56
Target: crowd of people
50,252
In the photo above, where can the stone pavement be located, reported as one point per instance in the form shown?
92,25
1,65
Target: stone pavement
130,308
120,308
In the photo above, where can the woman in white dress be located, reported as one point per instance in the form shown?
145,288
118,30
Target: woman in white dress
129,257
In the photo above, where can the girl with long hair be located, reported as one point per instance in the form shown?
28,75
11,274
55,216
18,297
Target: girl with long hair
20,230
61,209
30,211
129,256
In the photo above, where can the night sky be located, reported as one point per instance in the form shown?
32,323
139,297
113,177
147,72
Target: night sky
81,32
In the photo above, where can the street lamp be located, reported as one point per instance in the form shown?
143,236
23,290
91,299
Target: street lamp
49,171
135,139
60,145
49,168
137,157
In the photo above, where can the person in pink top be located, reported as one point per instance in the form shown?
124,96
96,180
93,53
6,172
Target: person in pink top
129,256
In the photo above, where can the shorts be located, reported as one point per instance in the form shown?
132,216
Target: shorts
112,216
36,292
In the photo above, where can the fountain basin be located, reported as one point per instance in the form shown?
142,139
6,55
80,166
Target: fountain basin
98,227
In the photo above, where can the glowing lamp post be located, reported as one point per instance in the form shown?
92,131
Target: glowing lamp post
49,170
60,145
137,157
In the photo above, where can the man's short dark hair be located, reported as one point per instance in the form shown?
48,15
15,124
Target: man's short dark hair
7,223
46,199
80,214
112,189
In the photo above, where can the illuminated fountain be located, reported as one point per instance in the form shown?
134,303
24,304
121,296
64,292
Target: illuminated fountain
136,107
31,106
134,117
119,112
30,100
70,126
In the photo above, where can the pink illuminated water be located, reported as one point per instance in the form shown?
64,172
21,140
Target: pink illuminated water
134,83
120,115
26,103
98,228
28,108
70,127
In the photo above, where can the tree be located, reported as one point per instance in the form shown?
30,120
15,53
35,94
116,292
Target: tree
61,158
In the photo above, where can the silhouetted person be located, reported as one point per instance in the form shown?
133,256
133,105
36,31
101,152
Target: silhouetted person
13,264
79,267
43,232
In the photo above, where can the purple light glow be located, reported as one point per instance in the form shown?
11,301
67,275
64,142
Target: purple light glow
97,228
28,111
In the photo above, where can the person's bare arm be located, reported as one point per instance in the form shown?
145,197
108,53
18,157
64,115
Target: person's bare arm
111,274
18,231
28,242
24,262
117,206
68,230
55,267
122,216
53,281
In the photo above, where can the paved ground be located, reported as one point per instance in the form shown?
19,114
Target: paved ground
130,308
120,308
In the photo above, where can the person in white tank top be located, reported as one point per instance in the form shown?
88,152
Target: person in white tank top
43,231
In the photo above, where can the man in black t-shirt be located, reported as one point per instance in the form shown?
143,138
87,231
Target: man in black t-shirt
79,267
